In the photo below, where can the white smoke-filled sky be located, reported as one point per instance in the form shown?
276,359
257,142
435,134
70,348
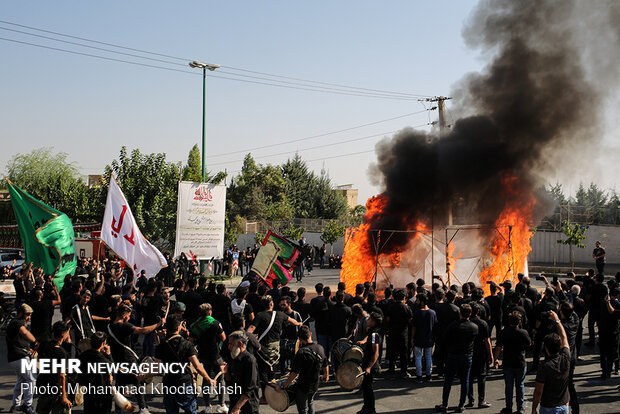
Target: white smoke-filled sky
89,107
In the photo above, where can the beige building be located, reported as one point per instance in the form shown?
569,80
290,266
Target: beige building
349,193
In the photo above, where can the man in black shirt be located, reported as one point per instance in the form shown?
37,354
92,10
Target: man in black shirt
300,305
120,330
370,361
209,336
48,402
98,353
42,314
551,390
543,325
177,349
242,375
398,318
306,368
570,322
340,316
288,339
268,326
192,301
595,296
18,342
495,300
459,338
482,358
513,341
321,306
598,254
447,312
609,332
81,319
222,308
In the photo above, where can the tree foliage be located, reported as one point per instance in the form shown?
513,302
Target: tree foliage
332,232
575,236
293,232
258,193
232,230
193,170
150,184
590,205
311,196
51,178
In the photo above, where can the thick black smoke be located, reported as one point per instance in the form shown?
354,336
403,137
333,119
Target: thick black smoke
533,100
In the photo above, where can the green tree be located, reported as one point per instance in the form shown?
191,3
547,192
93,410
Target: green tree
55,181
596,200
259,237
331,233
311,196
150,184
193,169
258,193
232,230
293,232
575,236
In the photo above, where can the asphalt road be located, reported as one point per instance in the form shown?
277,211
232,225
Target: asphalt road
403,395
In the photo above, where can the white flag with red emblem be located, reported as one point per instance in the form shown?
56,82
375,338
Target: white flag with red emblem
120,233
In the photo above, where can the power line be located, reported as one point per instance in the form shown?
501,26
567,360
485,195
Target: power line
316,136
325,158
352,88
183,65
92,47
309,148
321,146
197,73
94,41
326,83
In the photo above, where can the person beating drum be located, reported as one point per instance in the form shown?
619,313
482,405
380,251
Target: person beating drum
369,363
306,368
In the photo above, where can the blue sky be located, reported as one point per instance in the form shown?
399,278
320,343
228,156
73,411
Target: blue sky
89,107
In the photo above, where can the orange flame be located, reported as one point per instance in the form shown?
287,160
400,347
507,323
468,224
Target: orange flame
450,258
509,247
511,243
358,260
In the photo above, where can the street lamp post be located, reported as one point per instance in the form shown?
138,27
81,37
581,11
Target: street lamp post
204,67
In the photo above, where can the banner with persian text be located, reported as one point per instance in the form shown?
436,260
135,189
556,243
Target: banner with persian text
200,220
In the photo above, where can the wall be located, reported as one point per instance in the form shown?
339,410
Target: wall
546,249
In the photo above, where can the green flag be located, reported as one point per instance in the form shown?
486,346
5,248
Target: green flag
46,233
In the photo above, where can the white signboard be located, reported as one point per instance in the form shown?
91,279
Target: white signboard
200,220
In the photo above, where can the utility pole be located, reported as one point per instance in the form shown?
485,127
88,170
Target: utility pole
441,106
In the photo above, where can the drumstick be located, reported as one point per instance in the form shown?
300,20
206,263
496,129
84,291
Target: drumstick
359,375
305,320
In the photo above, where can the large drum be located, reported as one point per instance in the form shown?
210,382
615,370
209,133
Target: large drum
350,375
344,350
279,400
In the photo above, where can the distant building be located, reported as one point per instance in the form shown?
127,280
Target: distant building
95,180
349,193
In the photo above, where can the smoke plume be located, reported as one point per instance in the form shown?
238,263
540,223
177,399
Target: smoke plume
531,102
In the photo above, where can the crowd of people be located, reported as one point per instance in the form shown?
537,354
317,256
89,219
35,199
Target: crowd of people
238,262
248,338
